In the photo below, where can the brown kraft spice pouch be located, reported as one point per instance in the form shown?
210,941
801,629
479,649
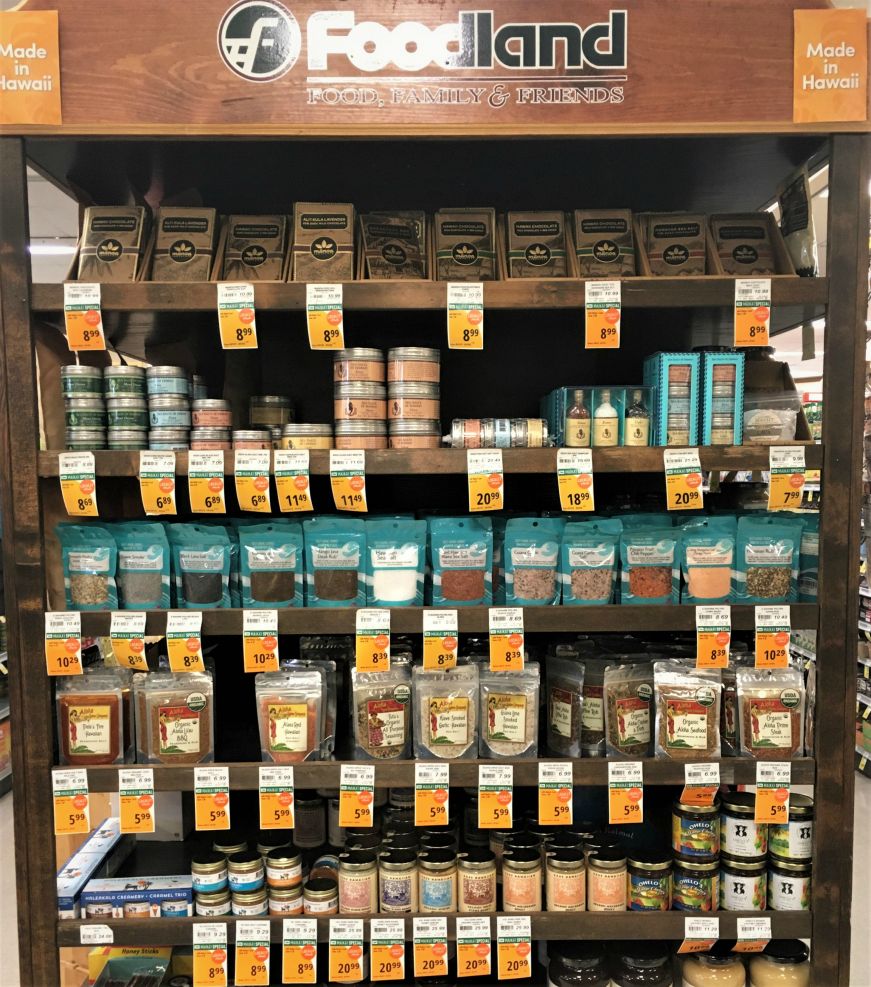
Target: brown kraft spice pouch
184,244
112,243
323,242
743,245
465,246
676,244
536,245
604,243
255,248
394,245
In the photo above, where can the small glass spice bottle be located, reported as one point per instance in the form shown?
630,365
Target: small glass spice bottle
606,881
565,881
521,880
577,430
476,880
358,883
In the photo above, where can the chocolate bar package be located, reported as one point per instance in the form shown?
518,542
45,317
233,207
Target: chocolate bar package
394,245
255,248
465,244
675,243
537,245
744,244
184,243
323,241
604,244
112,243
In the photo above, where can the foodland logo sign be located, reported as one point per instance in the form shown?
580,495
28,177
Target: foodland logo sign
261,40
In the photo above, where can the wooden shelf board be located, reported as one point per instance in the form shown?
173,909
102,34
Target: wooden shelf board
434,462
545,925
409,620
400,774
640,292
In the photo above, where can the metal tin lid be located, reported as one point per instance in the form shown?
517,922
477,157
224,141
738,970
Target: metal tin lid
78,434
283,856
252,435
521,858
207,861
743,865
210,404
199,380
169,435
696,810
210,435
319,888
286,894
413,353
360,389
116,402
273,400
369,426
249,897
124,371
173,402
294,430
166,372
699,866
790,865
800,806
358,353
77,370
127,435
411,389
85,404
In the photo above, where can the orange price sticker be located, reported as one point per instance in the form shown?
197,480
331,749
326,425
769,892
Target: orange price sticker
430,947
752,311
63,643
513,947
602,311
346,950
700,935
786,477
683,479
574,469
495,796
184,643
276,794
372,645
701,784
127,633
211,798
357,789
773,632
432,788
206,482
252,954
157,482
292,480
299,951
236,320
465,315
260,641
78,483
83,317
506,639
388,949
474,948
136,799
348,479
486,479
210,954
554,793
72,816
772,792
713,635
625,792
440,639
252,469
324,316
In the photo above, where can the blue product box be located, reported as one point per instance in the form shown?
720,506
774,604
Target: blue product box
121,897
98,856
675,387
719,370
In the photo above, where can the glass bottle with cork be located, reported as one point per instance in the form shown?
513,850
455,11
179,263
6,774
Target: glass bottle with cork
637,424
606,429
578,422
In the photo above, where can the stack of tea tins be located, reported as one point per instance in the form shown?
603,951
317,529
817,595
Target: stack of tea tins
126,410
169,407
84,408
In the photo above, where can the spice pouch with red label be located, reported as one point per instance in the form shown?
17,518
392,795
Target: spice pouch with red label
687,711
143,565
396,555
446,713
707,552
335,562
271,564
200,566
628,700
771,713
588,561
90,719
767,564
174,718
291,713
381,711
531,553
509,713
461,555
90,560
650,564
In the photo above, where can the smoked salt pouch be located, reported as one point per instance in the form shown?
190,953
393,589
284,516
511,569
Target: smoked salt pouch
532,548
395,557
650,563
90,559
461,555
271,564
143,565
767,562
200,566
707,555
335,562
589,555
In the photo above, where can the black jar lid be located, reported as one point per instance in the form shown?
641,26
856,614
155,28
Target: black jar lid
244,857
785,951
645,955
578,954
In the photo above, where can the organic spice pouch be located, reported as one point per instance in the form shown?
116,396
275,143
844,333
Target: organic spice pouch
381,713
565,702
90,719
174,718
588,561
707,552
809,559
445,713
143,565
90,560
335,562
395,562
509,713
271,564
771,713
687,710
628,697
290,714
200,566
532,549
768,556
650,564
461,557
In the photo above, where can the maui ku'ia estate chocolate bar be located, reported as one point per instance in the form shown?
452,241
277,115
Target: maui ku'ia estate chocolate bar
184,243
112,243
394,245
323,242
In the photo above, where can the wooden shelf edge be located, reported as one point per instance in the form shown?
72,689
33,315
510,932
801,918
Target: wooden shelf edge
244,776
429,462
409,620
545,925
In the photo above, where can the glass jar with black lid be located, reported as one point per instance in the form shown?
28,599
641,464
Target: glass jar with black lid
642,964
578,964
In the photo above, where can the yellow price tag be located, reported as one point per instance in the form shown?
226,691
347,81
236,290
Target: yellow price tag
554,794
348,479
357,790
473,946
372,647
773,634
574,469
299,959
786,477
430,947
512,959
83,317
206,482
683,479
701,784
465,315
211,799
260,640
387,960
127,633
346,950
772,792
157,482
602,309
324,316
292,481
236,320
63,643
713,636
431,793
78,483
625,792
184,644
252,954
210,954
486,479
72,815
752,311
495,796
251,467
276,796
506,639
136,799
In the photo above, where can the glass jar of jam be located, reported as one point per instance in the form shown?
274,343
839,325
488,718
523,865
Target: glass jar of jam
649,881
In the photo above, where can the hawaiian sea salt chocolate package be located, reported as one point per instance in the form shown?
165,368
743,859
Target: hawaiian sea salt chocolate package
675,243
255,248
744,244
537,245
465,244
112,243
604,244
394,245
323,241
184,243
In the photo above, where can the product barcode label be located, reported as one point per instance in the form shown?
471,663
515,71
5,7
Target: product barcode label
83,316
78,483
236,320
63,642
495,796
324,316
465,315
431,794
625,792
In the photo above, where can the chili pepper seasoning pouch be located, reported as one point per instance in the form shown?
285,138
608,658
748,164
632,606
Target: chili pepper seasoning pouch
650,561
